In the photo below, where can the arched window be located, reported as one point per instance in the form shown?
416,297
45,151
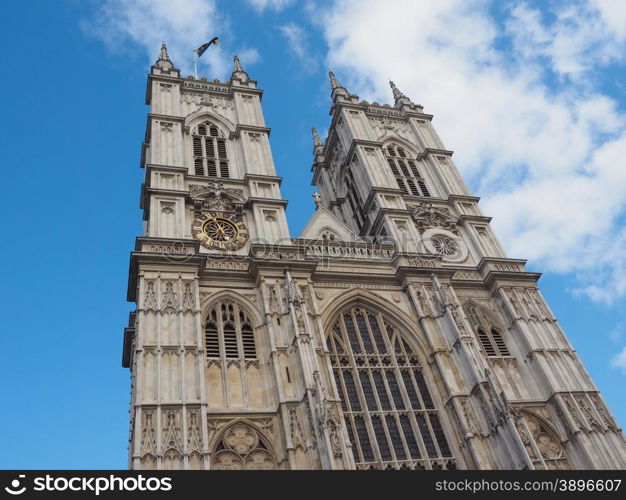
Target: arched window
209,151
390,414
405,171
487,332
228,333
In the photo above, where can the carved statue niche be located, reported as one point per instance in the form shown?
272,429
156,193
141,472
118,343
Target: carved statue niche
426,216
215,196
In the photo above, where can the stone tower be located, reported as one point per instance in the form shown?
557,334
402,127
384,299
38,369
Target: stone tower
392,333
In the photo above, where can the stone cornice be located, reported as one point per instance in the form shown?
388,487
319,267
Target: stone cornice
265,201
167,168
261,177
474,218
249,128
433,151
463,197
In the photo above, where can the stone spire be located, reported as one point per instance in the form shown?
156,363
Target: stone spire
237,65
316,138
164,62
399,96
238,72
335,87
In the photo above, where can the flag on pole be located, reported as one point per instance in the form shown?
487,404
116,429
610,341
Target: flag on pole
200,50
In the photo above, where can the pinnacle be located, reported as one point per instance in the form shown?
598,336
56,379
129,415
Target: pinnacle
316,137
237,65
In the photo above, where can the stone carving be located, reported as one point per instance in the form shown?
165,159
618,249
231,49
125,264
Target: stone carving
150,300
385,126
229,265
170,443
527,304
297,436
583,404
220,105
471,422
274,301
538,438
601,409
339,250
327,416
463,275
170,298
424,306
511,268
166,127
422,263
241,448
188,298
426,216
194,436
308,299
215,196
148,432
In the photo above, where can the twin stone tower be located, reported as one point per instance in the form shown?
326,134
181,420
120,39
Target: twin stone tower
393,333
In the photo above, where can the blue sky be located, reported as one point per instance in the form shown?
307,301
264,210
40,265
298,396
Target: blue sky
528,95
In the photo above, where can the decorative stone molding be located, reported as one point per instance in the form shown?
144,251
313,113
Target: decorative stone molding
426,216
242,448
214,196
541,442
231,265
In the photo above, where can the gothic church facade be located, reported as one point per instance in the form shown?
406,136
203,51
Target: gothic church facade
393,333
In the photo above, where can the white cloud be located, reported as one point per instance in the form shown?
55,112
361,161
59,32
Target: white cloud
547,158
249,56
614,16
296,39
619,360
275,5
182,24
573,43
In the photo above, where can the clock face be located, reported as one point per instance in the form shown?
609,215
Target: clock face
219,231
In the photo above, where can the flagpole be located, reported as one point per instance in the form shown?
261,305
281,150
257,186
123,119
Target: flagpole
195,64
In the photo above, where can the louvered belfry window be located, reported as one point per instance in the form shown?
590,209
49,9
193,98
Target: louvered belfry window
487,332
405,171
229,333
390,414
354,200
209,152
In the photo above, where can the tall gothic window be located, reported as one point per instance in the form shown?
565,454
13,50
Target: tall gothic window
228,333
487,331
390,414
405,171
209,151
354,200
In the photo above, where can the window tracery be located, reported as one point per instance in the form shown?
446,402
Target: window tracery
242,448
390,415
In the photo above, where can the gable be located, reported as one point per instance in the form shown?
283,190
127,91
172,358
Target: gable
324,222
